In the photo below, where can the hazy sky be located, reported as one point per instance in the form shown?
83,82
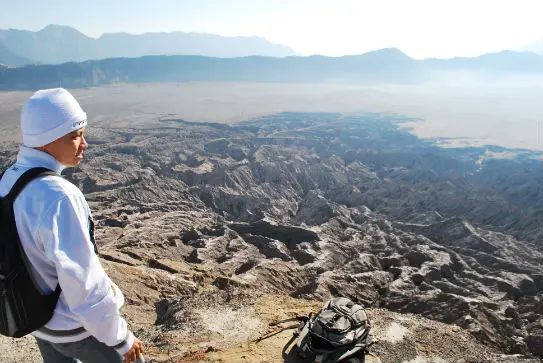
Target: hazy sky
421,28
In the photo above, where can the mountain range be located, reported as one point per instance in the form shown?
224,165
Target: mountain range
385,66
59,44
63,56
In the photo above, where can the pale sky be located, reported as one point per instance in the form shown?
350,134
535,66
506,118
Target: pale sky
420,28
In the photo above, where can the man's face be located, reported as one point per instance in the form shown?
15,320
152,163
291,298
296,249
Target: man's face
68,150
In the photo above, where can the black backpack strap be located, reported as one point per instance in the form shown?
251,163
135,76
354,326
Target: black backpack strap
26,178
17,188
92,237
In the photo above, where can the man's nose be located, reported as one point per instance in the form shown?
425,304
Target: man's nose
84,144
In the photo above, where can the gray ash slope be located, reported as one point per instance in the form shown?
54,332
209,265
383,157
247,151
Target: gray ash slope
309,205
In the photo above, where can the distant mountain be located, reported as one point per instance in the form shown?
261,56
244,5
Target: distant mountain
8,58
129,45
506,61
53,44
59,44
535,47
382,66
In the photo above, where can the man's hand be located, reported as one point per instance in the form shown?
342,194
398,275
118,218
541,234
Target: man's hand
134,352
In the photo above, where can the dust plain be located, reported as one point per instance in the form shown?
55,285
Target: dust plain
508,114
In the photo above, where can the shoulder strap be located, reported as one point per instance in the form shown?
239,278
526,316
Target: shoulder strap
26,178
17,188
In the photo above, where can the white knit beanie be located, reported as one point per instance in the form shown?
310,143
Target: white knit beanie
50,114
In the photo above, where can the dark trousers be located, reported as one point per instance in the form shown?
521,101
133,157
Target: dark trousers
88,350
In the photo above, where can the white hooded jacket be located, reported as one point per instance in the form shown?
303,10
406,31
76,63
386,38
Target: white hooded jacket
53,221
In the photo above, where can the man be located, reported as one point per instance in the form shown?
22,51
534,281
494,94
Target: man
55,227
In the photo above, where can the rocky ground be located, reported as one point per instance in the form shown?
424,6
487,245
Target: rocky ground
213,231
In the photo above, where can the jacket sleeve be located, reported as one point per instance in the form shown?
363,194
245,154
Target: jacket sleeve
89,293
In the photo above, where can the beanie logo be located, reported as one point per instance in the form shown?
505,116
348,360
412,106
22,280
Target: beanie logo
79,123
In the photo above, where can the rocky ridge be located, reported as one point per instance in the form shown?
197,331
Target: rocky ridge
198,218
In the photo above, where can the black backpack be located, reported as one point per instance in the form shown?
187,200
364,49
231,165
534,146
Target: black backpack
23,307
338,333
